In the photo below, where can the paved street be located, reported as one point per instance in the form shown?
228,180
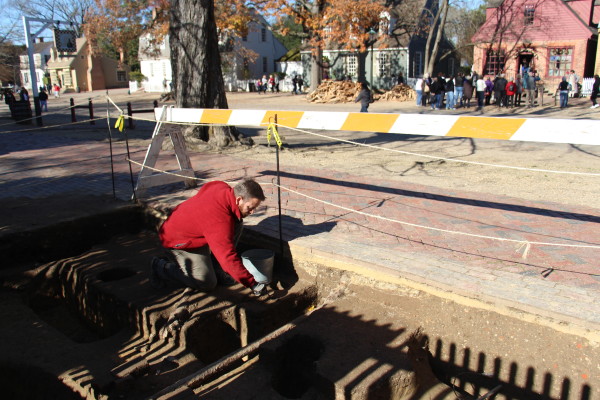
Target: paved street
556,284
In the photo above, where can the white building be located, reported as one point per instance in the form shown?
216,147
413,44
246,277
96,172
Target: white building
41,55
156,67
244,59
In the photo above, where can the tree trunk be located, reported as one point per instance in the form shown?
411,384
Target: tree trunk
440,33
315,69
196,65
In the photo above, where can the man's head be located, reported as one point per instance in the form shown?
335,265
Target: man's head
248,196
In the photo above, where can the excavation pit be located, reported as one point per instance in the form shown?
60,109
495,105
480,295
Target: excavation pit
88,318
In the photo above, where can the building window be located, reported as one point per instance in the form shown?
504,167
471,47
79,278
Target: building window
265,64
350,65
559,61
263,35
384,63
418,64
529,14
245,38
494,62
25,77
121,76
451,67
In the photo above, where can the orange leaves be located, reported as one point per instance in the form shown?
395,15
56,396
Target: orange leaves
355,23
335,23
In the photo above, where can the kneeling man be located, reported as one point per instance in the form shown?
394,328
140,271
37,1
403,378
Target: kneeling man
211,221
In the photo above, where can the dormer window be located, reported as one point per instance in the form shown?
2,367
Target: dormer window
529,14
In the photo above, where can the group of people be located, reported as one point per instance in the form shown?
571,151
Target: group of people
457,91
271,83
23,93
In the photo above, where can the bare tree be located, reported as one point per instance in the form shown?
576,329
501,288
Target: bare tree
435,35
463,22
72,11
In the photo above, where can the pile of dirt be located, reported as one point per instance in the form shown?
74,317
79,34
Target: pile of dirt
334,92
400,92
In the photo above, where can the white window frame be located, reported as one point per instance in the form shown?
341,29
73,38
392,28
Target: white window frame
418,64
384,63
351,65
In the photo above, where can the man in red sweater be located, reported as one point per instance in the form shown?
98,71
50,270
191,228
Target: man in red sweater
211,221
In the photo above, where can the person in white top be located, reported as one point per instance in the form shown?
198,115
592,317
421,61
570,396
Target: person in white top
419,90
573,81
480,91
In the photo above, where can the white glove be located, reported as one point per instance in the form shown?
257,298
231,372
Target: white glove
259,289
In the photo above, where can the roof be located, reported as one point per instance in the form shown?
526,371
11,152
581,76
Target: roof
556,20
43,47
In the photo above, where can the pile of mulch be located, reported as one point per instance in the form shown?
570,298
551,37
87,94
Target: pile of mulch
345,92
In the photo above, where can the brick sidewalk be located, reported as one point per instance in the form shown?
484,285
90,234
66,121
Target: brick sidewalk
554,282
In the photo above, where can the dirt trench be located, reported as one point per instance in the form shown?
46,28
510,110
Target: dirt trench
82,321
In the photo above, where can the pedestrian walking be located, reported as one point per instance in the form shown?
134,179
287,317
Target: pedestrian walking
365,97
43,96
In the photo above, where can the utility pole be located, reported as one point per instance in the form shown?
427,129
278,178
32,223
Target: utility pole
30,40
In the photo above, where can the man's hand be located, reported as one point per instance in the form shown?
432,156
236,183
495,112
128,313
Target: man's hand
259,289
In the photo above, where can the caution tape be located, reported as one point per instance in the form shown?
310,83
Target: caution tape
580,131
272,130
120,124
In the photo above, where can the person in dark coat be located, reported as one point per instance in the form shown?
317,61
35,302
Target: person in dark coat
595,91
436,91
467,91
500,91
364,96
400,79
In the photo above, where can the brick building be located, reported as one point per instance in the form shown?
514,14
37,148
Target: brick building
550,36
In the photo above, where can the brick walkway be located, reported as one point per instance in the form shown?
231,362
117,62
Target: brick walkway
553,282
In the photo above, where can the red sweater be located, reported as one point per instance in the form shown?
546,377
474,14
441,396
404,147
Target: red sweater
208,218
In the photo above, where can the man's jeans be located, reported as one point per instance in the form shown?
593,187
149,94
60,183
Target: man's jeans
194,267
449,100
564,98
437,101
458,95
